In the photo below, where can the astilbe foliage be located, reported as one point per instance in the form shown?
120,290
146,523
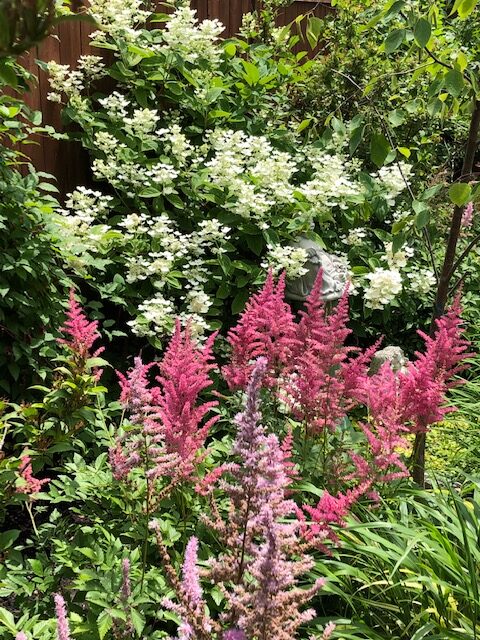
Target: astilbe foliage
266,329
263,556
167,420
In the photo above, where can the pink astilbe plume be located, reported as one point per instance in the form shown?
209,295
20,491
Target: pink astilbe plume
266,329
317,382
467,217
30,485
169,417
81,333
184,375
330,511
21,636
63,630
424,385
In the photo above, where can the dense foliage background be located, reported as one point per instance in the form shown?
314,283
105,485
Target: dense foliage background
254,483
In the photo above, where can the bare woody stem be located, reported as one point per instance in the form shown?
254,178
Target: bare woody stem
450,265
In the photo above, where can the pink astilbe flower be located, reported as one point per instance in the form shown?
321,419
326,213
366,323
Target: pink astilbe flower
424,385
263,555
467,217
81,333
256,571
31,485
126,589
63,630
314,386
184,375
266,329
384,431
191,606
331,511
136,397
21,636
234,634
269,605
169,417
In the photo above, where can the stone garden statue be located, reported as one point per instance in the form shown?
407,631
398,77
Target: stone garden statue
335,274
394,355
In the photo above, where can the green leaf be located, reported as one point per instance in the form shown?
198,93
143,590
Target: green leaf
460,193
314,27
104,624
356,138
238,303
7,619
7,538
466,7
454,82
394,40
379,149
230,49
252,74
422,32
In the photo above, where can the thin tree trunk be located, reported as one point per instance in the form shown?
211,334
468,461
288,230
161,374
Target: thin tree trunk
446,274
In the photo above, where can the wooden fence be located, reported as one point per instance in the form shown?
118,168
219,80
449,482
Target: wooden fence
67,160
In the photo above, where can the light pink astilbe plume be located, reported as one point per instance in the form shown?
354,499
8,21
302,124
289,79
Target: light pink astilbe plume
266,329
21,636
126,589
424,385
467,217
63,630
81,333
31,484
263,556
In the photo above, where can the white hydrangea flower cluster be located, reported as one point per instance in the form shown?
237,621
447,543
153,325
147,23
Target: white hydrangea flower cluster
422,281
122,173
116,105
355,237
142,122
192,40
77,225
400,258
384,286
332,183
71,82
63,81
118,18
255,174
394,179
176,144
286,258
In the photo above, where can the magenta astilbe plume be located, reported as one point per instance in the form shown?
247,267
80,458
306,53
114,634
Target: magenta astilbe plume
266,329
81,333
184,375
424,385
63,630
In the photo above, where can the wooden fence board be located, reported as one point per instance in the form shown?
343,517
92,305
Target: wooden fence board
67,160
